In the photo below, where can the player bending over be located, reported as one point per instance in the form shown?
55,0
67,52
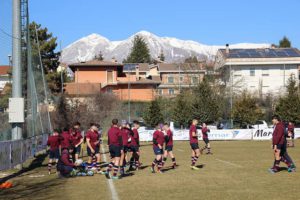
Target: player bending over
205,132
194,144
54,143
169,145
277,141
77,139
158,142
115,144
93,147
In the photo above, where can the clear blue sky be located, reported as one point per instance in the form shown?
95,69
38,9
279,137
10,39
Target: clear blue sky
208,22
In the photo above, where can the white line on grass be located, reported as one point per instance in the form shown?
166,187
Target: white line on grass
229,163
180,150
113,191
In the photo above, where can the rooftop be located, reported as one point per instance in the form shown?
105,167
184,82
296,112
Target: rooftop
96,63
262,53
4,70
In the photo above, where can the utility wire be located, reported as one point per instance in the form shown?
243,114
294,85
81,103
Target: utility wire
7,34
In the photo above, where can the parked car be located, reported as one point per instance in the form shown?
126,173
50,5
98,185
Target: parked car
260,124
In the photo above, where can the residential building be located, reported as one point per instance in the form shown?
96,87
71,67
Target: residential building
261,71
109,77
4,76
178,77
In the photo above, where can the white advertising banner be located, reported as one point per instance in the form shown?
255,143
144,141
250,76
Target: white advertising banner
225,134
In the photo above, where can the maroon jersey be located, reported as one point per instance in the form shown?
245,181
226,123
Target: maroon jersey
53,142
94,138
159,137
114,136
66,139
76,136
291,128
125,136
65,158
278,134
135,138
169,138
204,132
193,140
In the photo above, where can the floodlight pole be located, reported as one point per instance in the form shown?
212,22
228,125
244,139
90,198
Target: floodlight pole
16,63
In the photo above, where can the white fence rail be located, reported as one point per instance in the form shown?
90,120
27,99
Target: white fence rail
226,134
17,152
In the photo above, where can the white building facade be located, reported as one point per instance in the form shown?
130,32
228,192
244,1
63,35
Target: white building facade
261,71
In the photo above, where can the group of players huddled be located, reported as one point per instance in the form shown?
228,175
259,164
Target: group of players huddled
124,148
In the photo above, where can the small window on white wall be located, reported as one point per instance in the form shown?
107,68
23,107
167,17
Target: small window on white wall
252,71
265,72
171,91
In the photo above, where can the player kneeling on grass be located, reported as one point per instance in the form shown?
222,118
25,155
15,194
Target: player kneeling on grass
205,132
278,142
93,146
158,142
64,165
77,139
169,145
53,142
194,144
115,144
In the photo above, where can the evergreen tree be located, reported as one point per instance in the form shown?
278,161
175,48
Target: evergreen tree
245,110
206,105
99,56
161,56
285,43
139,52
48,44
61,115
288,107
182,110
191,59
153,115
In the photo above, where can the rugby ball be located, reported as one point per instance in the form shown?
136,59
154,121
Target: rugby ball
78,162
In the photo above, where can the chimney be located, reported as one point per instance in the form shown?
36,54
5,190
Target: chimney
227,48
137,72
113,59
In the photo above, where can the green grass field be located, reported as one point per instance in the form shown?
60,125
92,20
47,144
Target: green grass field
236,170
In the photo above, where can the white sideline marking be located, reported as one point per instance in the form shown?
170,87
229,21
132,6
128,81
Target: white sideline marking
36,176
113,191
229,163
180,150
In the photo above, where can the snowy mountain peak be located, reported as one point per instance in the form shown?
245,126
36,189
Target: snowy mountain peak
175,50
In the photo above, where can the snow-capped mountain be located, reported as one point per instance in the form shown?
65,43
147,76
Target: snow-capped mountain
175,50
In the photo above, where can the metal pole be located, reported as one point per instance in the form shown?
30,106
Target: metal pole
129,113
16,63
179,80
231,98
61,73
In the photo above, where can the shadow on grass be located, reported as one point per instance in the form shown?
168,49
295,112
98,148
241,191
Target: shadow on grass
33,190
200,166
37,162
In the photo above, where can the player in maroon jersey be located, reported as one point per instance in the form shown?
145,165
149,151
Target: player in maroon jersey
93,146
135,146
205,132
77,139
169,145
54,143
158,143
194,144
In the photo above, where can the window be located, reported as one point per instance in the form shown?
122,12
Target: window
252,71
181,79
237,72
160,92
265,72
170,79
195,80
171,91
109,90
109,76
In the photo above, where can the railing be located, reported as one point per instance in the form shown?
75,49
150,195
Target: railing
15,152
